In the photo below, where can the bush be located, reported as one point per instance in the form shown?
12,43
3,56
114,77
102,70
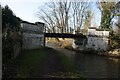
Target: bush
8,44
116,41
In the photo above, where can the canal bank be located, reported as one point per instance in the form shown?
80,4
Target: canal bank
56,62
115,53
40,63
67,44
94,66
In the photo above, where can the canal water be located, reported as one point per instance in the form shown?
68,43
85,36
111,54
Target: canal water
92,66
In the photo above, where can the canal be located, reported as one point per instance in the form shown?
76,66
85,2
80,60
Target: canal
90,65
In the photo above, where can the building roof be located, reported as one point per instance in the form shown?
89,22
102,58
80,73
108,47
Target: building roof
28,22
92,27
39,23
102,30
31,23
97,29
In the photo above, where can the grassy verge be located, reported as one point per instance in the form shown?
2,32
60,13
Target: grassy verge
68,66
26,62
35,62
29,60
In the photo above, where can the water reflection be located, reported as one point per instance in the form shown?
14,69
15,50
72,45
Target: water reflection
93,66
116,60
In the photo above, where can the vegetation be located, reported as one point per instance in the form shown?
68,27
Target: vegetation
106,9
10,32
63,16
43,62
24,63
108,12
116,12
9,20
116,33
115,41
63,43
88,20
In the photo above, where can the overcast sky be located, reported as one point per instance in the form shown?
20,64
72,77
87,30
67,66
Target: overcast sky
27,9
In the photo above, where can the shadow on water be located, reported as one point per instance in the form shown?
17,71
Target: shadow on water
93,66
96,66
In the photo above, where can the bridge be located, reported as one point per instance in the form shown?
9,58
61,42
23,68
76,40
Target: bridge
64,35
79,37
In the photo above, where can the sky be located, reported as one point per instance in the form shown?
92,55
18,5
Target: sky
96,16
27,10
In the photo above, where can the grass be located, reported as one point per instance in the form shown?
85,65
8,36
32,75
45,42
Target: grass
32,62
66,62
27,61
69,68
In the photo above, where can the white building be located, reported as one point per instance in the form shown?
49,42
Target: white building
33,35
97,39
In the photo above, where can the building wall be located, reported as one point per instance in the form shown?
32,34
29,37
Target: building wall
29,27
31,41
96,40
91,31
33,35
40,27
97,43
102,33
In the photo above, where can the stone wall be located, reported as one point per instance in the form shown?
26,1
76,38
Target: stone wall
96,40
32,41
33,35
97,43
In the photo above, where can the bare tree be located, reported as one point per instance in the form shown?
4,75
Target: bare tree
59,14
88,19
57,17
79,13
